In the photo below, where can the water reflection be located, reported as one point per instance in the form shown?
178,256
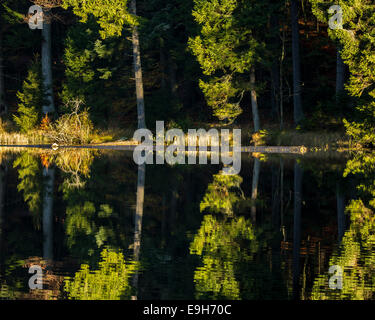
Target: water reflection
270,232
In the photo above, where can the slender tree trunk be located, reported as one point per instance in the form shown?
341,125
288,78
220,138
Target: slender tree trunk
340,212
48,106
275,68
281,83
49,178
298,112
3,105
254,103
138,71
138,221
298,175
162,64
340,78
172,69
254,189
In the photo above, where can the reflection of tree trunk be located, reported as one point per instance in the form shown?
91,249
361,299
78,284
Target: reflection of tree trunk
138,221
173,205
276,197
282,195
48,106
254,189
298,175
49,177
340,212
138,71
2,200
298,113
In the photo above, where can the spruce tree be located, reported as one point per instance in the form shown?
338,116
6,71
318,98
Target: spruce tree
357,41
229,47
30,100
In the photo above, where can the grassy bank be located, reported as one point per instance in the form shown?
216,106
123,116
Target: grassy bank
70,133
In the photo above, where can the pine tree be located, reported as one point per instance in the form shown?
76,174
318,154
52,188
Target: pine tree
112,16
357,41
30,100
229,48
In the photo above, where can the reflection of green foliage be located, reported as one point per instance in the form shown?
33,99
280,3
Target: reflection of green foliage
30,177
109,282
221,245
229,245
356,255
222,194
83,226
363,166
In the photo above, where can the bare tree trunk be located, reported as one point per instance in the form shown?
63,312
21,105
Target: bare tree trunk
162,63
138,71
281,83
138,221
3,105
254,103
340,73
49,178
48,106
298,175
254,189
340,79
275,68
298,112
172,69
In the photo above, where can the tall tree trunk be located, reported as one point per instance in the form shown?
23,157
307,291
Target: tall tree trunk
275,68
298,175
340,73
298,112
254,103
138,71
138,221
281,83
340,79
254,189
48,106
340,212
172,69
162,63
49,178
3,105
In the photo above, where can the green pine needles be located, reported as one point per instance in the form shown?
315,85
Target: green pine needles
30,100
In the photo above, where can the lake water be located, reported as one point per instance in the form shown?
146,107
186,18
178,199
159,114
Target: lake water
100,227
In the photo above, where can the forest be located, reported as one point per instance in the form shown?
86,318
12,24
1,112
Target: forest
78,79
94,71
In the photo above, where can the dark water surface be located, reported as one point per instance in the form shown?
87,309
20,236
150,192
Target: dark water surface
101,227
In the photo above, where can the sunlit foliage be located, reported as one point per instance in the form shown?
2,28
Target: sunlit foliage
109,282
